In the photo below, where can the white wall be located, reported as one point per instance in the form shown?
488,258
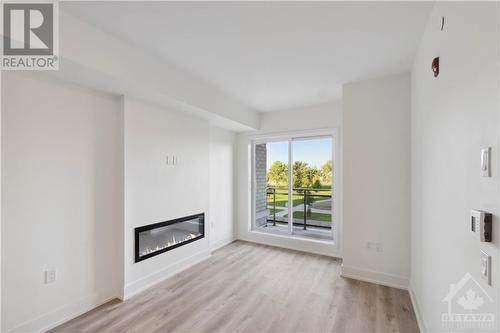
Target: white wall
324,116
125,69
156,192
222,186
316,116
1,103
453,117
376,173
60,197
81,170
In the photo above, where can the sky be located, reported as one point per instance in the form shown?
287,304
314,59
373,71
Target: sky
314,152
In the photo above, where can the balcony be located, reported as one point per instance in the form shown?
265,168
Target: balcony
312,212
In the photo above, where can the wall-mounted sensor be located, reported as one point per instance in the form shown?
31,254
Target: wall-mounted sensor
435,66
481,224
485,162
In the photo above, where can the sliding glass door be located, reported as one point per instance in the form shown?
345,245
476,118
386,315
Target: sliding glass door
293,186
312,187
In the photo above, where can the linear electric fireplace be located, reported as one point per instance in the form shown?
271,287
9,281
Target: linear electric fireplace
154,239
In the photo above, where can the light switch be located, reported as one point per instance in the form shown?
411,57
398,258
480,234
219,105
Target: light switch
486,267
50,276
485,162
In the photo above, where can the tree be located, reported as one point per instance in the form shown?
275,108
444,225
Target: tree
277,174
312,177
300,170
326,173
303,175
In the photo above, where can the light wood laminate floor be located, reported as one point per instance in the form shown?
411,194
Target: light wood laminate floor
246,287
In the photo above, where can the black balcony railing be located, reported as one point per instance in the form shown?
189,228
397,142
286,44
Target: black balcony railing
312,207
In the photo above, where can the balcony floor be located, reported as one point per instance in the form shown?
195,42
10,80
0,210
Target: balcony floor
298,231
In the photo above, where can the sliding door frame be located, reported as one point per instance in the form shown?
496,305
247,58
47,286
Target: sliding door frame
290,187
289,137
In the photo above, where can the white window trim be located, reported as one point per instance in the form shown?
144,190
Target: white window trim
335,133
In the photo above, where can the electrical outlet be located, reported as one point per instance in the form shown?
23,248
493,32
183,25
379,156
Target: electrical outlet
50,276
373,246
171,160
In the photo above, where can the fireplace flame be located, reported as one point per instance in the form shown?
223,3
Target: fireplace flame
169,244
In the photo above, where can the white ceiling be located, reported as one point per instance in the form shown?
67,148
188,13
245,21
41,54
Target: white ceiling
270,55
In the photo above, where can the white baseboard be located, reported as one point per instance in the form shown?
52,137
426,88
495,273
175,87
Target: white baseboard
150,280
63,314
416,309
221,243
385,279
325,248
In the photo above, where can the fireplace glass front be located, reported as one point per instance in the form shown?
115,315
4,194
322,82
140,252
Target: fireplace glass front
153,239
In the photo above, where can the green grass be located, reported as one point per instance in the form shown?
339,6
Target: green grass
277,210
298,198
282,200
314,216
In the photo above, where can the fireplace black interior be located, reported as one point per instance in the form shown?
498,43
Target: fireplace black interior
154,239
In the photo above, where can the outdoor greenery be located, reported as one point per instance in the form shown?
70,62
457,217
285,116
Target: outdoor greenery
318,180
312,216
277,175
298,198
273,210
304,175
282,199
